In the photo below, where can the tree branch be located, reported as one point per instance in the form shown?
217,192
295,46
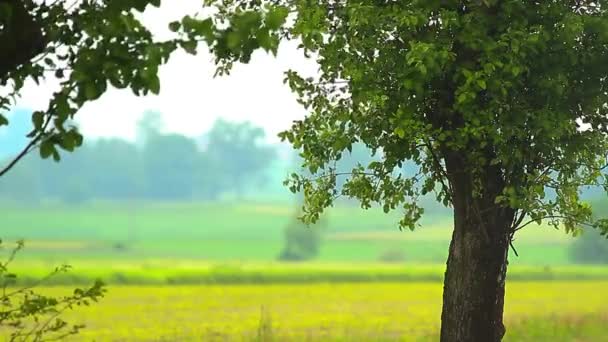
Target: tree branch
553,217
440,169
27,149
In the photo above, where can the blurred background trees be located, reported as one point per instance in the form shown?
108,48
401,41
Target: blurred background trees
231,159
591,247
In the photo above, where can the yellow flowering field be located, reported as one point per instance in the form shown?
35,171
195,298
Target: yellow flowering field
535,311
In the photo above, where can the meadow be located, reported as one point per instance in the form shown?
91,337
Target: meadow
240,231
189,272
535,311
209,272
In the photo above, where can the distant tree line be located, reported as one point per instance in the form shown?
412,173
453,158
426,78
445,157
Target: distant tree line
230,158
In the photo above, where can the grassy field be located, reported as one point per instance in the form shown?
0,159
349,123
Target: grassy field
239,232
176,272
219,259
535,311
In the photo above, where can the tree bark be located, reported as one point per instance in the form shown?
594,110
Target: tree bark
474,284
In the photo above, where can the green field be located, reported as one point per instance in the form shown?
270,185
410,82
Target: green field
180,272
239,232
208,272
558,311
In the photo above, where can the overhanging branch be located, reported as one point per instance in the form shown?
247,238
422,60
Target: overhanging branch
27,149
560,217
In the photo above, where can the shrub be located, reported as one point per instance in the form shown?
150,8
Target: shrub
301,241
29,316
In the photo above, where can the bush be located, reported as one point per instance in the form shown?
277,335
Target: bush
590,248
29,316
301,241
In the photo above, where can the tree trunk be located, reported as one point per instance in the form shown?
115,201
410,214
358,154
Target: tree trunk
474,284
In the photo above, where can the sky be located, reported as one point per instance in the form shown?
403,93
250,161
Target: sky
191,99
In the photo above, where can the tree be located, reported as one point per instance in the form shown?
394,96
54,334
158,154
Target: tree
590,248
358,155
496,101
170,166
85,46
114,169
238,152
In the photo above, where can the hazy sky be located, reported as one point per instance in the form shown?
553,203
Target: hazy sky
191,99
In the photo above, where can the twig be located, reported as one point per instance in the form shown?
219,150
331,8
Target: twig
28,148
553,217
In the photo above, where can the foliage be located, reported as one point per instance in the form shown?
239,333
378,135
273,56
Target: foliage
496,102
470,86
85,46
476,86
30,316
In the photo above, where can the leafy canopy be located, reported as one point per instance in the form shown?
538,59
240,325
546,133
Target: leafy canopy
85,46
517,86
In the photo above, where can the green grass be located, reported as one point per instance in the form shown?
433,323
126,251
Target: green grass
342,296
239,232
159,272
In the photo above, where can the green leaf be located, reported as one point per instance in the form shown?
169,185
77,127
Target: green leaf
90,91
400,132
175,26
154,84
3,120
38,120
46,149
189,46
56,155
276,17
140,5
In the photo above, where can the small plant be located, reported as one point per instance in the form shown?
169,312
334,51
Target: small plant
301,241
265,333
29,316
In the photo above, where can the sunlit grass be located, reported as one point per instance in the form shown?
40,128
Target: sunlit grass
561,311
184,271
